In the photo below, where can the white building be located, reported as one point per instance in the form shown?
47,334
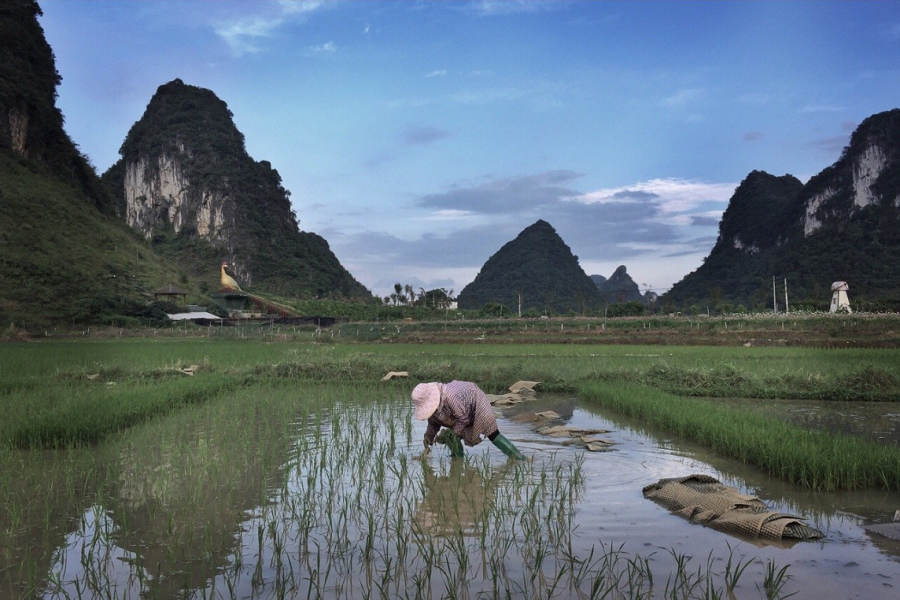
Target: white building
839,300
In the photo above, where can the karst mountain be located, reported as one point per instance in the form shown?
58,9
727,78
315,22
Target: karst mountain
536,268
186,183
842,225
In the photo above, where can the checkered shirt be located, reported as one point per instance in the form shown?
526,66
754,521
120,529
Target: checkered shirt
464,409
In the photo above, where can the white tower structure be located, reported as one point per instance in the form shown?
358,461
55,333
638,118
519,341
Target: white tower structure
839,300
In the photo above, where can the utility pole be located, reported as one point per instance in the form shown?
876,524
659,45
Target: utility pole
786,305
774,296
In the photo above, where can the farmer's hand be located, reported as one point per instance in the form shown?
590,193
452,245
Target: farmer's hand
427,443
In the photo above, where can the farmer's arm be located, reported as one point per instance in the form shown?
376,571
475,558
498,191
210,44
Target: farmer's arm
431,431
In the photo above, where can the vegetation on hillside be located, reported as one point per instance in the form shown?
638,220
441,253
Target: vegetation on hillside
194,125
761,236
620,287
62,260
863,250
30,123
63,257
536,270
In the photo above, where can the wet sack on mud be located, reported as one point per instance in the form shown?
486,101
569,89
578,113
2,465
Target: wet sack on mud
703,499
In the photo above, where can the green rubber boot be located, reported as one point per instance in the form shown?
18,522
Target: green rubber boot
507,447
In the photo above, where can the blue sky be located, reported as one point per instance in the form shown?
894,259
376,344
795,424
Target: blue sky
419,137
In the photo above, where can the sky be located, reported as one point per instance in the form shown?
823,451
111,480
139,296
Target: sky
420,137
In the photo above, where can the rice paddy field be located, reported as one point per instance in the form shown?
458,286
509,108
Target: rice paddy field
285,468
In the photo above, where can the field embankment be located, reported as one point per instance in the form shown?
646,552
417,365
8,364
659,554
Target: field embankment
57,394
813,330
812,459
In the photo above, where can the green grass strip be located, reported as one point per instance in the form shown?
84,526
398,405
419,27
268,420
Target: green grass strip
88,418
813,459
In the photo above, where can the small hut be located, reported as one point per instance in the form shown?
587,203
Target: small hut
171,293
839,300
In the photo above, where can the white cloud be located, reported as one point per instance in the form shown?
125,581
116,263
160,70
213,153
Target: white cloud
298,7
669,195
470,98
681,98
486,96
243,35
436,73
328,46
708,218
676,220
450,215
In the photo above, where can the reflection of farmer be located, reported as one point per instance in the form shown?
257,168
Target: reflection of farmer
456,502
464,410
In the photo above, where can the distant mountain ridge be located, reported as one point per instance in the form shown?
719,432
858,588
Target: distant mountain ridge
620,287
842,225
186,182
536,266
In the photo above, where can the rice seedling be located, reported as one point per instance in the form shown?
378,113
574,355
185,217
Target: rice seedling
813,459
290,484
775,580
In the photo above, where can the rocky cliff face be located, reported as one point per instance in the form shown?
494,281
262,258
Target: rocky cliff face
867,174
17,119
186,182
159,195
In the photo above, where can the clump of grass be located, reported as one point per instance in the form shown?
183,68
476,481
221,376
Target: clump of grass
86,417
872,379
329,369
722,379
813,459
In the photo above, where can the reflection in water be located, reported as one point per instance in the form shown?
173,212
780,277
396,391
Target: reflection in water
257,498
162,511
41,494
455,503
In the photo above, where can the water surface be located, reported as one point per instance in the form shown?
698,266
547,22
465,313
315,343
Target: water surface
338,501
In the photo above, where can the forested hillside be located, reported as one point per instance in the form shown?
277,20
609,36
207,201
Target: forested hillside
536,267
842,225
64,257
186,183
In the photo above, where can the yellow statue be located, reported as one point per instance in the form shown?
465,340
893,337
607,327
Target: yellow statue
228,281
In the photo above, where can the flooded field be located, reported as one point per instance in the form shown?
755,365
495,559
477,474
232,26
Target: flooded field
876,421
257,498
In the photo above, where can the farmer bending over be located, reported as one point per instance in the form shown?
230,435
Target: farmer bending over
464,410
